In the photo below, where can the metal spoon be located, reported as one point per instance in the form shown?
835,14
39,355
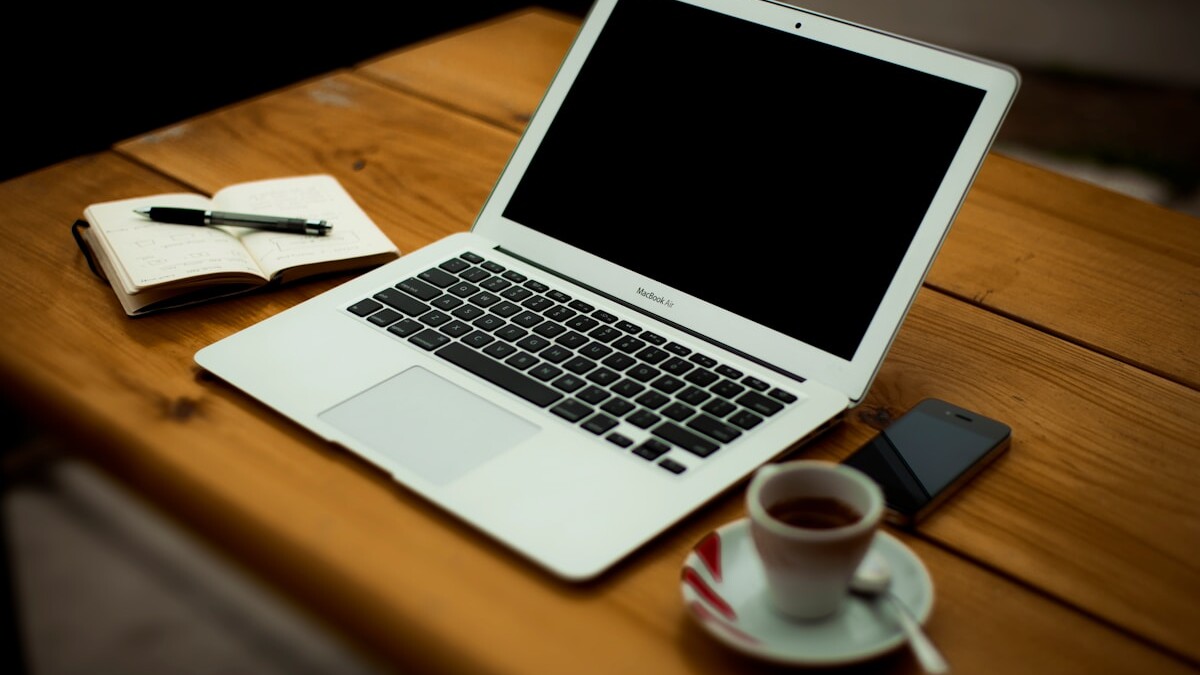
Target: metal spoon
873,579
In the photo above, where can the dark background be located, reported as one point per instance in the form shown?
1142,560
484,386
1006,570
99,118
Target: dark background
80,80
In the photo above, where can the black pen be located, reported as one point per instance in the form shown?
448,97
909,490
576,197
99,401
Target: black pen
169,214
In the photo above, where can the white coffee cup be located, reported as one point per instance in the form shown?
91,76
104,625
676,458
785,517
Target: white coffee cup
812,523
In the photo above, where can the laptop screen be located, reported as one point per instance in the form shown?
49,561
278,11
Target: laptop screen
797,171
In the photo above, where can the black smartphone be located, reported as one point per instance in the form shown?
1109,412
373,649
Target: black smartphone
928,454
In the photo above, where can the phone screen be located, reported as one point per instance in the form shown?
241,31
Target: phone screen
928,453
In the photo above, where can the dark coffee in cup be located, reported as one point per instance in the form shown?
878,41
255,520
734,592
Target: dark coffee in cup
814,513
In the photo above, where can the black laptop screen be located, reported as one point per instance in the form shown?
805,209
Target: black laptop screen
797,171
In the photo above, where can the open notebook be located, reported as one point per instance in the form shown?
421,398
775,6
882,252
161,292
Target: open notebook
695,260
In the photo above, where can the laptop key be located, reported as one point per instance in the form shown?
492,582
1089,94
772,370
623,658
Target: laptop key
429,339
618,361
678,411
405,328
652,355
568,382
582,323
603,376
693,396
651,400
673,433
499,350
619,439
516,293
755,383
599,423
468,312
642,373
455,264
521,361
549,330
785,396
653,338
405,303
667,384
759,403
617,406
499,374
495,284
628,388
579,365
385,317
475,275
719,407
435,318
478,339
731,373
629,344
447,302
504,308
713,428
364,307
593,395
651,449
702,377
418,288
677,366
676,348
464,289
437,277
545,372
484,299
571,410
533,343
672,466
642,419
745,419
727,389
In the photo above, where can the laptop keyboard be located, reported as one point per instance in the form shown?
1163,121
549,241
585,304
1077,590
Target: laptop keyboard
601,372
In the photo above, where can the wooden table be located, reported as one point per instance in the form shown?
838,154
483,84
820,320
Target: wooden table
1068,311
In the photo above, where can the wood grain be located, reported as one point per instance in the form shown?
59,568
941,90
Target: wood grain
1104,270
496,70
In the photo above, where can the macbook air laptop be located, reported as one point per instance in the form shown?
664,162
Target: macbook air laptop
695,261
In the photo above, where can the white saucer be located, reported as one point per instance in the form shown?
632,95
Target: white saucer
724,590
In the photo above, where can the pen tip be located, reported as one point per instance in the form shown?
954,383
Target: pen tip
143,212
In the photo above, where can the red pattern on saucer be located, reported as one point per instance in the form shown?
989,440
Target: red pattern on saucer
709,551
697,582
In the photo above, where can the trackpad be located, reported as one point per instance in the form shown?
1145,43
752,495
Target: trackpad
428,425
